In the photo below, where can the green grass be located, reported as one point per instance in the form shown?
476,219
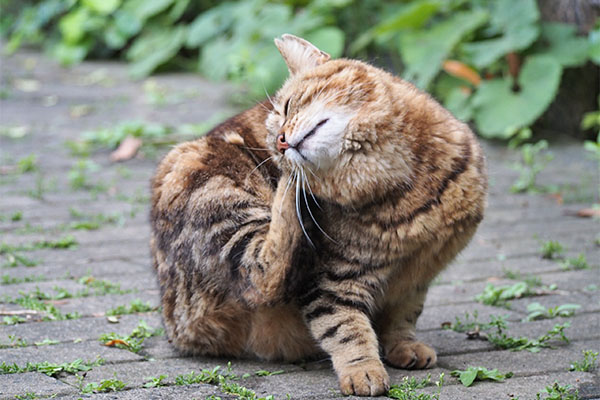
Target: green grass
36,300
27,164
14,217
102,287
558,392
11,280
407,388
136,306
471,323
14,342
575,263
588,364
551,249
155,381
501,340
105,385
51,369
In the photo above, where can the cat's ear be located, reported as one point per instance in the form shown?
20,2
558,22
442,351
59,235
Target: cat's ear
299,54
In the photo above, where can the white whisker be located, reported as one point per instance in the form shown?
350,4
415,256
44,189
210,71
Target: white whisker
298,212
287,187
311,192
258,166
310,212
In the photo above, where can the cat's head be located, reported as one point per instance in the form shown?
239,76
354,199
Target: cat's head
336,122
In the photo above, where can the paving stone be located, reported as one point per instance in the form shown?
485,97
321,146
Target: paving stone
196,391
108,269
66,352
521,387
32,382
522,362
84,329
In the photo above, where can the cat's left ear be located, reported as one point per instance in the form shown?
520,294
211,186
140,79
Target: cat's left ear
299,54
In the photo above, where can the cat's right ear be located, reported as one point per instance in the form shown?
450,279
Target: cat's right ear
299,54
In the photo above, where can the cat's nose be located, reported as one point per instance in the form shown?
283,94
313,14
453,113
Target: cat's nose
282,145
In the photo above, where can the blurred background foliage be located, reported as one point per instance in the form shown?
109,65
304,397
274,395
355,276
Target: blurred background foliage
495,63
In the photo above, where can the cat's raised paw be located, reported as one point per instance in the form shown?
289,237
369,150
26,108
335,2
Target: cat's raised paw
410,354
365,379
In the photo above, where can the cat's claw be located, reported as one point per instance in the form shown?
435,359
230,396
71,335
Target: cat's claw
365,379
411,355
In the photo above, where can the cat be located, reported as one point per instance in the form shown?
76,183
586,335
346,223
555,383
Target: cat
314,222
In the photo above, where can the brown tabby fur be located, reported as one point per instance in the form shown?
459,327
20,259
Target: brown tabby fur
399,199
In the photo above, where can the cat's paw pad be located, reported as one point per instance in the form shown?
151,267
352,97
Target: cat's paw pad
411,355
365,379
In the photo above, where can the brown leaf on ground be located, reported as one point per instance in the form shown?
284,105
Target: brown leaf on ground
126,150
588,213
114,342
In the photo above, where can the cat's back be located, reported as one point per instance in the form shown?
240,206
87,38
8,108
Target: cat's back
203,189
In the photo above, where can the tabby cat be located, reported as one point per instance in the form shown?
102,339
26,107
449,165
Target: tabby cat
313,223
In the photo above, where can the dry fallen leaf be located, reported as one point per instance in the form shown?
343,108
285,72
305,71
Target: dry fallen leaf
127,149
462,70
589,213
114,342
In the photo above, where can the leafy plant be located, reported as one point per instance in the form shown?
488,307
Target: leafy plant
503,341
132,342
534,158
471,323
205,376
13,320
51,369
552,249
499,295
588,364
105,385
576,263
537,311
27,164
155,382
558,392
407,388
136,306
79,174
472,374
263,372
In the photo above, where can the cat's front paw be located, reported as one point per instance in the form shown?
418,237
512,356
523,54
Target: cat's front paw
411,354
368,378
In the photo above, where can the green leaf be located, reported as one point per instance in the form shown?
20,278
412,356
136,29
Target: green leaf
69,54
594,39
154,49
72,25
500,111
209,24
458,104
468,377
516,20
563,44
104,7
144,9
424,51
413,15
329,39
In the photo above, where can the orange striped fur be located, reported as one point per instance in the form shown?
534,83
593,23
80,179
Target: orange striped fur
329,245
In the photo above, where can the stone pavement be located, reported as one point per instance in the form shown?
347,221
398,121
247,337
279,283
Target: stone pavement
82,228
